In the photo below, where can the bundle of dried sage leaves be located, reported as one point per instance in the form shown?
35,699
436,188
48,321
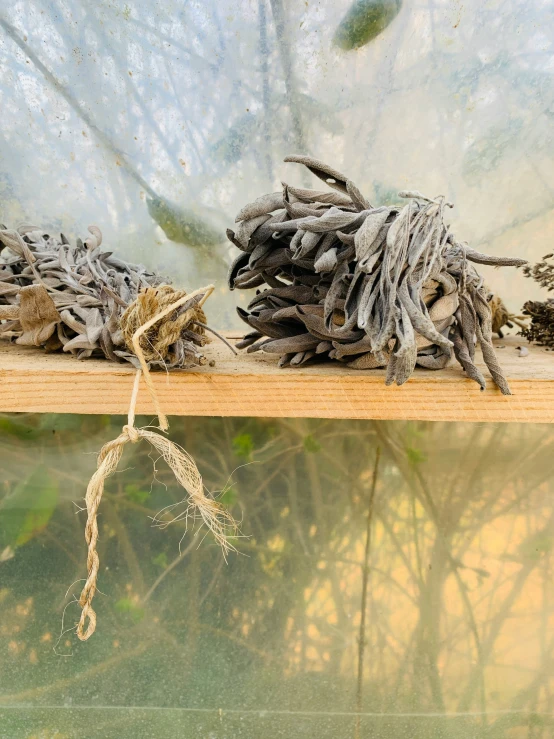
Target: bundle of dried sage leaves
371,287
79,299
541,328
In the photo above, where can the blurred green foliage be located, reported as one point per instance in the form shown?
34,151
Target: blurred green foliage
364,21
243,445
266,644
311,444
184,226
135,493
26,511
131,609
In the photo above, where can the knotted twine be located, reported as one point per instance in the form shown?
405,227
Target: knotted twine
149,337
138,323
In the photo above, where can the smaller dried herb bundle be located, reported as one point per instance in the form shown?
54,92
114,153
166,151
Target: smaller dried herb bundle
541,329
501,316
76,298
372,287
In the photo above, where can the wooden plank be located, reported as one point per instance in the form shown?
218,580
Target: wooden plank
252,385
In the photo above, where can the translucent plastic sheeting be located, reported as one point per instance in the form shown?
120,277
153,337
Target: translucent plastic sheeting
459,596
193,105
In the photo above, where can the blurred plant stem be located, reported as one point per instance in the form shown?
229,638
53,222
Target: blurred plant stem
168,569
283,33
363,605
266,92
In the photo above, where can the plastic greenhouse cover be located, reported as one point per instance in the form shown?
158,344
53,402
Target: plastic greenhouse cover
148,117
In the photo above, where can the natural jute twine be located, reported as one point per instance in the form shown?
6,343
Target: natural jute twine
149,337
216,518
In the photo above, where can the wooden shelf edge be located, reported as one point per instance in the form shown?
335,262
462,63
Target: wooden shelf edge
252,385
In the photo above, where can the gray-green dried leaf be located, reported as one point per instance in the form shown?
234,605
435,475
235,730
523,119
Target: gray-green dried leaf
37,315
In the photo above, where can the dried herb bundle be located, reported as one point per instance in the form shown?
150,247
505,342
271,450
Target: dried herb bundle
370,287
501,316
76,298
541,329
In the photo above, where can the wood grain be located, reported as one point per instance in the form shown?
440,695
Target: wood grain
252,385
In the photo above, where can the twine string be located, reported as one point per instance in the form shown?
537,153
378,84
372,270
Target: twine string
205,292
216,518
